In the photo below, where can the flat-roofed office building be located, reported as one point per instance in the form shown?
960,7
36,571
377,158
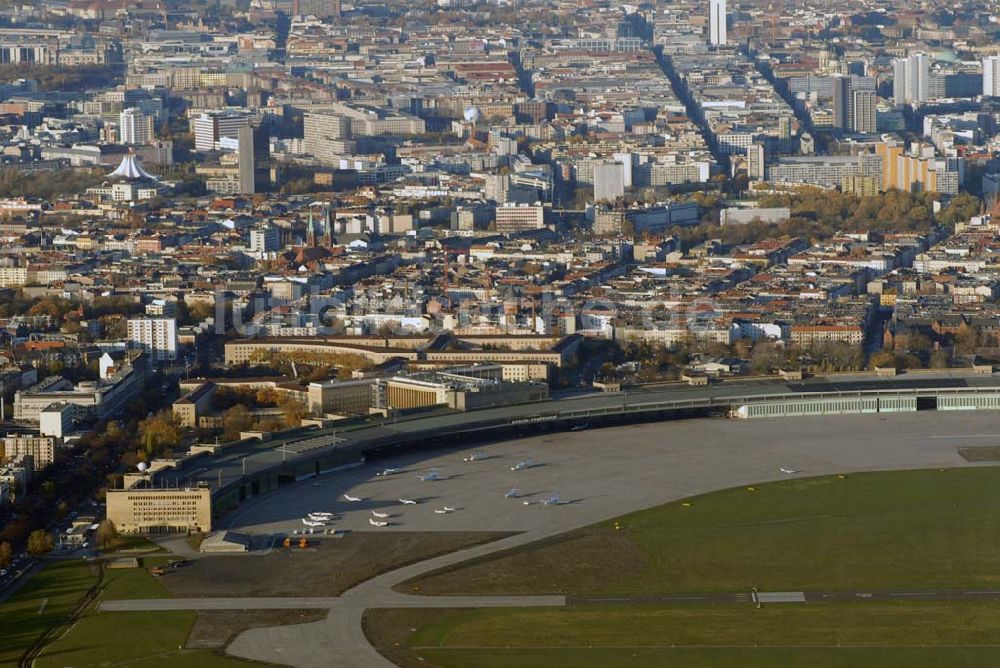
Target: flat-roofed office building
160,510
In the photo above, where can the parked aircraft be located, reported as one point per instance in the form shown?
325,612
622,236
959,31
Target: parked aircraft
522,465
377,524
352,499
312,523
789,471
475,457
552,500
440,511
448,510
381,516
512,493
385,472
408,502
432,475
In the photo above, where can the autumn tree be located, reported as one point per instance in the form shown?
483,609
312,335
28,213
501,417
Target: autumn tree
106,535
40,542
235,420
6,553
159,431
293,412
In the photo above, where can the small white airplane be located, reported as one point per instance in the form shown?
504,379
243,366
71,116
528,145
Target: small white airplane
321,516
521,465
352,499
377,524
512,493
433,475
312,523
789,471
526,502
381,516
475,457
408,502
441,511
552,500
386,472
448,510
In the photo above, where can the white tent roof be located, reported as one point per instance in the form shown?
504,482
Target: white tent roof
131,169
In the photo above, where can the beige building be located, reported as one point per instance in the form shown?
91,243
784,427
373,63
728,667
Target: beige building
350,396
457,391
194,404
403,393
247,350
810,335
41,448
519,218
160,510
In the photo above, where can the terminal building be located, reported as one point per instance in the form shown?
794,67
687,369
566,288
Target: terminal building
170,510
462,389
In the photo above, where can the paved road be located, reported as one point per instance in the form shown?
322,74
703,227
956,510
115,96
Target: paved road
387,600
605,473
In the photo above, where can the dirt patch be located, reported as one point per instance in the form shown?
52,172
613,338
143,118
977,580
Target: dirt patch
388,630
217,628
582,561
328,568
985,453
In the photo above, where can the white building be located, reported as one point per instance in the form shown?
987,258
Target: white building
991,76
157,336
911,79
717,22
211,128
609,182
264,240
135,127
56,420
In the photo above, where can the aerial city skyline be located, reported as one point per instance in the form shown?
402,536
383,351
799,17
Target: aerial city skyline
494,333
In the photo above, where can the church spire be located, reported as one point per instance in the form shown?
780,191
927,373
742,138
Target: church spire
327,228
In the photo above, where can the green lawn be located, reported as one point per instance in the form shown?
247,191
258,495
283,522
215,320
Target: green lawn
685,657
910,529
137,639
47,600
907,633
132,638
129,583
924,529
890,623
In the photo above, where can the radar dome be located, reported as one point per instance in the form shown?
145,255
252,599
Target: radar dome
472,114
142,467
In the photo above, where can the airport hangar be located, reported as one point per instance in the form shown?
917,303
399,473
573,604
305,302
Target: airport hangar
247,469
